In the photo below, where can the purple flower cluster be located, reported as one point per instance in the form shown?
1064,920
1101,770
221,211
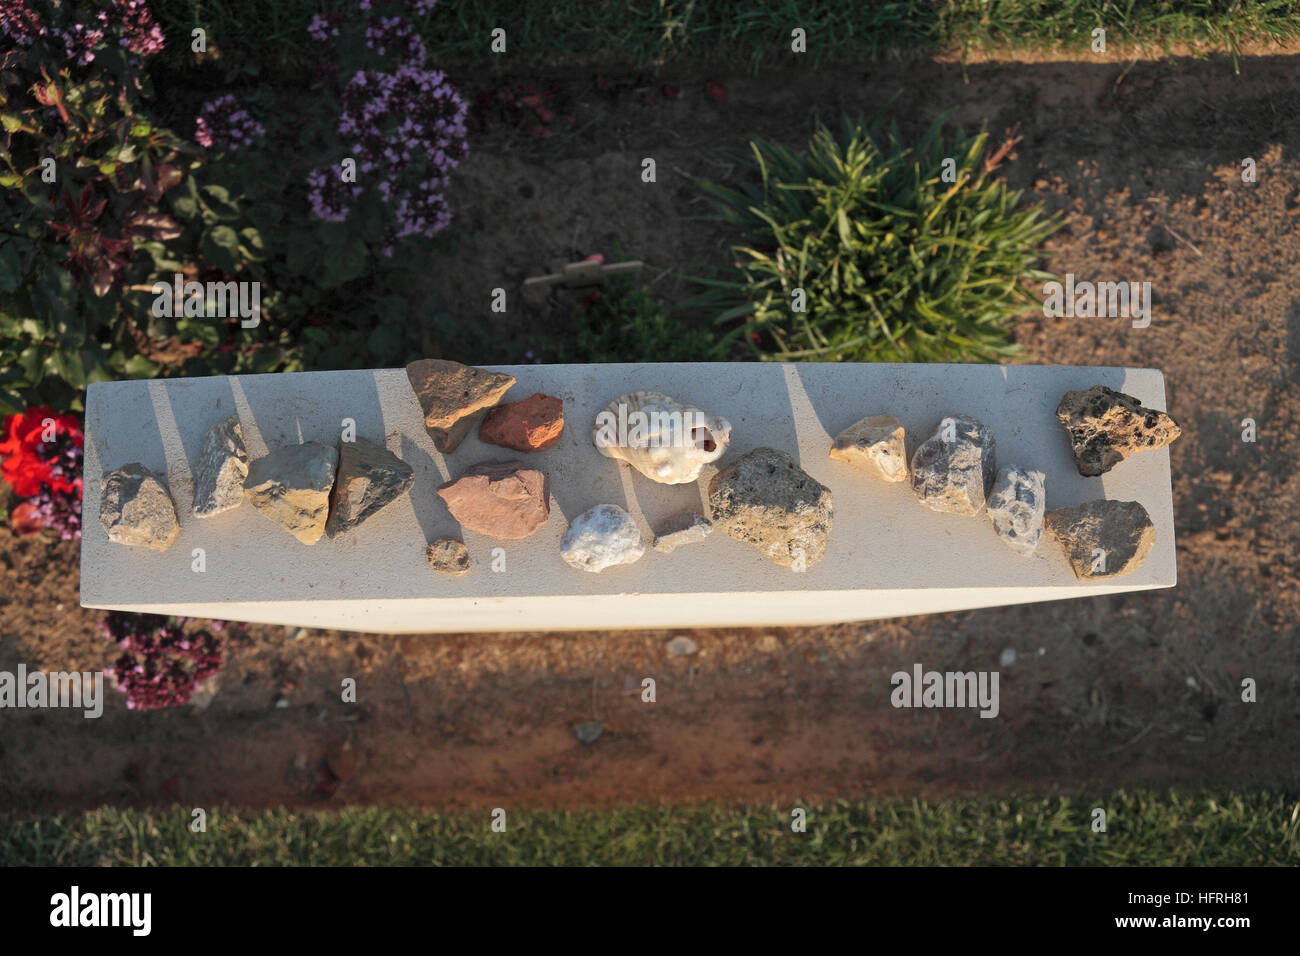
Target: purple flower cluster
130,20
223,122
139,32
20,22
396,34
61,510
409,125
329,194
161,663
324,26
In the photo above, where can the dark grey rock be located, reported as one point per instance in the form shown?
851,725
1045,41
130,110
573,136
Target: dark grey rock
221,469
953,469
369,478
1103,539
1016,507
765,499
136,509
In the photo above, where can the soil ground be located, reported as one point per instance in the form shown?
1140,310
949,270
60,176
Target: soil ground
1145,160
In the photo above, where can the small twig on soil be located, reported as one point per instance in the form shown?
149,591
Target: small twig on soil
1185,242
1140,734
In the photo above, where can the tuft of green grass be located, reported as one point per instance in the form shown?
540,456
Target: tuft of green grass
863,249
1143,828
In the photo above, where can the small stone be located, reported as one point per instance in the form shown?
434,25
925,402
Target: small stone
953,469
1016,506
681,646
1103,539
602,537
449,393
342,761
1105,427
448,556
685,527
136,508
221,469
534,424
502,499
205,693
877,443
766,500
291,486
589,732
1008,657
369,478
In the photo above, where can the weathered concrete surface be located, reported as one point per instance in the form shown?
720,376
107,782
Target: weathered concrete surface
378,577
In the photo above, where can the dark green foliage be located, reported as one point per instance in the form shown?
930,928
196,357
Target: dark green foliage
626,324
899,257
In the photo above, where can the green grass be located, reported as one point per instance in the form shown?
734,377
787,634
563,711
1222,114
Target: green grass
638,33
1144,828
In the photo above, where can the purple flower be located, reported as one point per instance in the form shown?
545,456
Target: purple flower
161,664
323,26
61,510
20,22
329,194
223,123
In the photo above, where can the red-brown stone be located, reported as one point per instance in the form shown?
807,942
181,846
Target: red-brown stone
501,499
534,424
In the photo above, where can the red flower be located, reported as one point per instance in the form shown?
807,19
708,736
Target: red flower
23,467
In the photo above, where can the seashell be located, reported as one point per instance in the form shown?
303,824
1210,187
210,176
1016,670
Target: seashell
666,441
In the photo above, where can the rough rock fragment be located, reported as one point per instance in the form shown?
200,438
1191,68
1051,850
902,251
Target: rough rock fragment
502,499
291,486
448,556
681,646
1106,426
450,393
369,478
533,424
602,537
588,732
221,469
1016,506
136,509
953,468
877,443
765,499
1103,539
685,527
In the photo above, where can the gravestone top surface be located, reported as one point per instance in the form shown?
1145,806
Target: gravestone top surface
887,554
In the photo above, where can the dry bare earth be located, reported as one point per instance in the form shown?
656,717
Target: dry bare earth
1104,691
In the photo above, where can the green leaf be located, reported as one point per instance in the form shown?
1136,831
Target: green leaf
68,366
11,266
220,246
32,361
345,261
216,199
301,257
137,366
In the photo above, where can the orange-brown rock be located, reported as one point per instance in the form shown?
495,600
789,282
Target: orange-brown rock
450,394
534,424
501,499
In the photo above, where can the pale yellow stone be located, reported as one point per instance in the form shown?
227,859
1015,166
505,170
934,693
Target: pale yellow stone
877,444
